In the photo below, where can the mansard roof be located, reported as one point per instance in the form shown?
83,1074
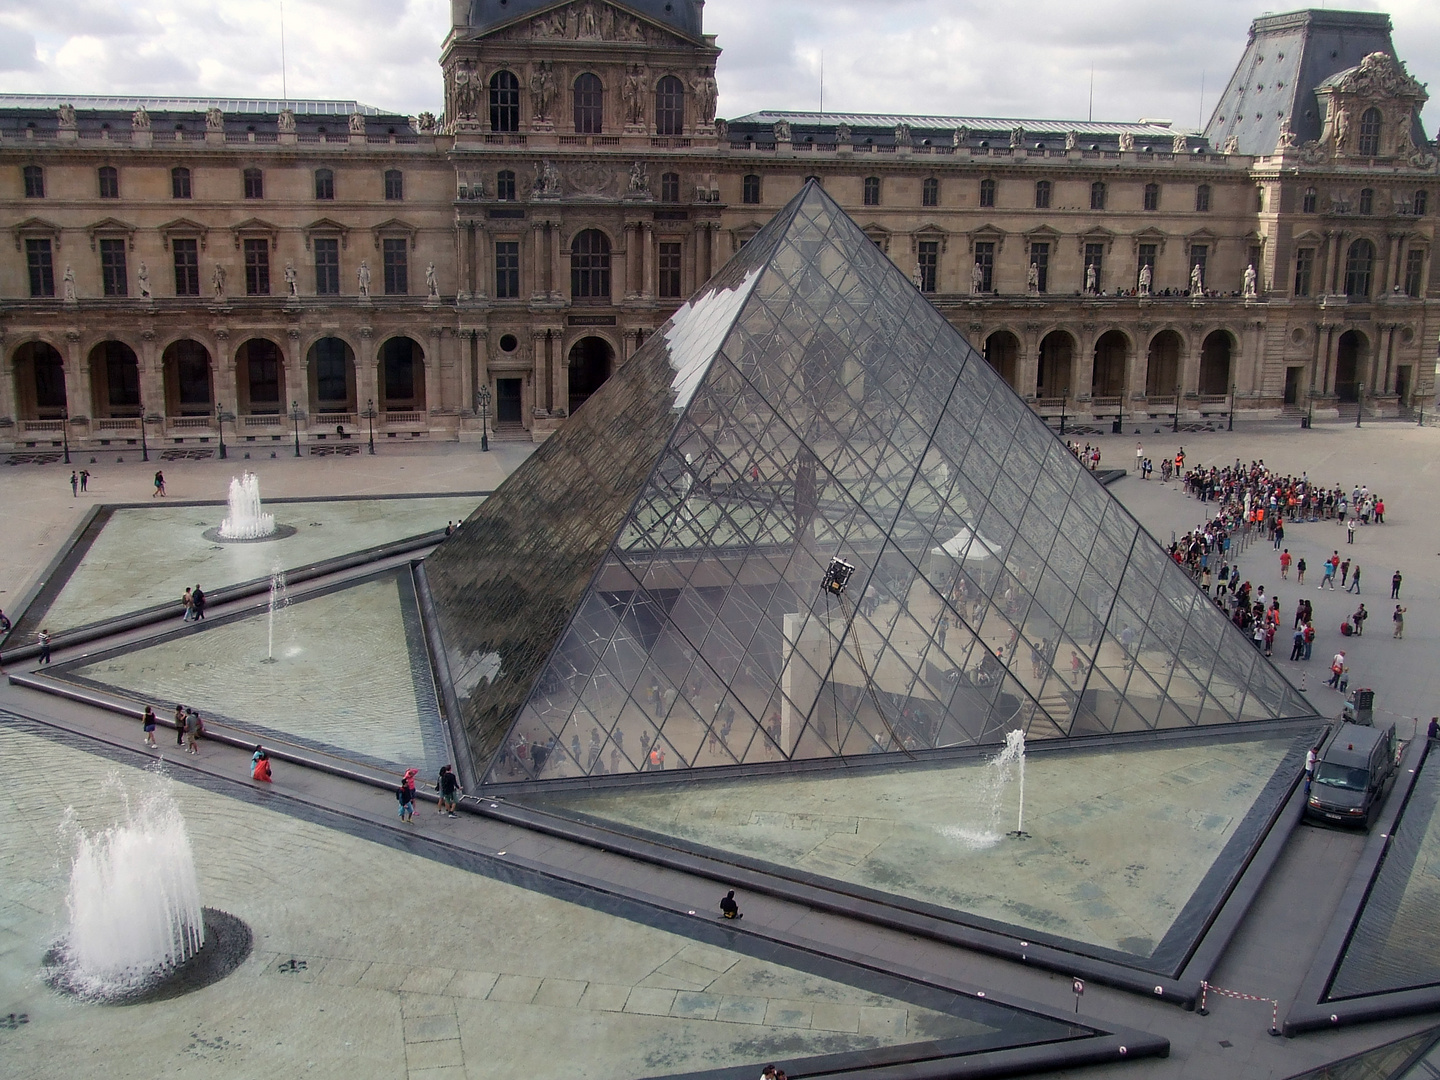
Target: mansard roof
685,16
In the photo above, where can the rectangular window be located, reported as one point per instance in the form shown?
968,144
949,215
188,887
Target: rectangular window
985,260
1145,256
180,183
928,263
751,193
505,186
257,267
1040,259
1094,260
394,185
930,192
254,184
1202,199
987,192
872,191
42,268
397,270
1304,270
109,182
1097,195
669,267
1198,254
1042,194
324,184
187,267
327,267
34,182
670,187
1152,196
507,269
112,268
1414,271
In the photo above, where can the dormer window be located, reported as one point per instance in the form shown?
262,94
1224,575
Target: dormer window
1370,133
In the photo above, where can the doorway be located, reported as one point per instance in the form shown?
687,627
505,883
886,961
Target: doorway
1292,384
507,401
590,360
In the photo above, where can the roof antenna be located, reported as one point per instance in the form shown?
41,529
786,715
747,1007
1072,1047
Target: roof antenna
1091,115
822,82
1200,125
284,84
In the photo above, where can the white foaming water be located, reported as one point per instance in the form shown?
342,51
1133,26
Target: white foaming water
246,521
279,601
1004,769
134,900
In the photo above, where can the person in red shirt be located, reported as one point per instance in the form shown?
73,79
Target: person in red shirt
1285,563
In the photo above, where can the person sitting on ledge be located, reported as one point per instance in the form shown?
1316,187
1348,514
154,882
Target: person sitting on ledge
262,768
729,909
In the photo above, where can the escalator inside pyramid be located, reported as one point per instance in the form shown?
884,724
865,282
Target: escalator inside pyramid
649,591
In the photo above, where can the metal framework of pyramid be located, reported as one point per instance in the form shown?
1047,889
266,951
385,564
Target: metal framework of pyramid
649,584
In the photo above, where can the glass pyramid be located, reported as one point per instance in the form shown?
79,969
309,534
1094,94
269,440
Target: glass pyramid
646,591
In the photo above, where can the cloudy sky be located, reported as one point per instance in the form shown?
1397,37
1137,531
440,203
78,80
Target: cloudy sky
1018,59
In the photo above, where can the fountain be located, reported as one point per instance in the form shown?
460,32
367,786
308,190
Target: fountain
246,521
137,929
279,601
1013,757
1004,769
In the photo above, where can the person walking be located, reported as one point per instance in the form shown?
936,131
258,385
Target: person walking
1300,571
1309,638
179,725
74,484
188,603
406,795
159,484
1350,531
44,639
1329,578
197,603
1337,668
84,481
1285,561
194,728
449,785
147,723
1395,585
1140,459
1354,585
1297,649
1344,572
1399,618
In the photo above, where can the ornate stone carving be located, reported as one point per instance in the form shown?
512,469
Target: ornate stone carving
782,131
462,93
142,279
542,91
1072,140
214,120
357,123
722,130
148,335
960,135
217,281
588,23
902,134
1232,145
140,119
66,113
639,179
72,336
222,334
1127,140
1017,137
293,333
69,283
632,95
425,123
1179,144
842,133
1380,75
547,180
362,277
707,94
286,121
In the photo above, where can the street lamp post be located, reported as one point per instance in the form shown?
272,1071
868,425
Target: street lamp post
482,406
1230,424
65,431
369,414
144,446
296,415
220,423
1175,416
1359,402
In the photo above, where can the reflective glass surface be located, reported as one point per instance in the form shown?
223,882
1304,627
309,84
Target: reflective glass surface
1385,1062
647,588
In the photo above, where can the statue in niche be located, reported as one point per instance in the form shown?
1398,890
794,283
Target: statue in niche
140,119
707,95
1197,280
292,280
1251,282
357,123
542,91
1342,127
142,278
782,131
1092,281
67,116
214,120
1146,277
632,95
362,276
286,122
217,281
547,179
432,282
1032,279
639,179
977,279
69,283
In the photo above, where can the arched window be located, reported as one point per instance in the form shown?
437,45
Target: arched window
930,192
1359,267
589,105
987,192
505,185
180,183
669,106
751,193
1367,200
1042,194
1369,145
504,102
1097,195
324,184
1309,200
1202,198
109,182
670,187
1152,196
872,191
590,267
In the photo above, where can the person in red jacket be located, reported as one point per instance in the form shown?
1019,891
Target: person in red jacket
262,768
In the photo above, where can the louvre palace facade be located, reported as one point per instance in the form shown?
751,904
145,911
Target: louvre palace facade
183,267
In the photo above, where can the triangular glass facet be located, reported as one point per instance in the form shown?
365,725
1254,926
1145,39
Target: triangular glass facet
651,580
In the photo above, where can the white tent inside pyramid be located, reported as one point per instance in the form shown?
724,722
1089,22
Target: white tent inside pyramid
646,591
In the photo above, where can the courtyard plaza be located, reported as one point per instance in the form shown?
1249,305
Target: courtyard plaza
419,988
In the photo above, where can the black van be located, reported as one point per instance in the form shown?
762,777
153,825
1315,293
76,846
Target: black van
1352,774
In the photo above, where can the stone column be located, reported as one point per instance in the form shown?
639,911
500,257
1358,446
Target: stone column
434,362
8,407
297,372
647,261
540,354
539,268
557,262
1190,363
1028,362
366,385
222,371
464,246
1332,352
1384,372
77,377
1084,365
482,272
152,376
559,373
465,344
1333,268
1135,366
625,261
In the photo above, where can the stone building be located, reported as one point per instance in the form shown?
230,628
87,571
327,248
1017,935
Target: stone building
322,267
